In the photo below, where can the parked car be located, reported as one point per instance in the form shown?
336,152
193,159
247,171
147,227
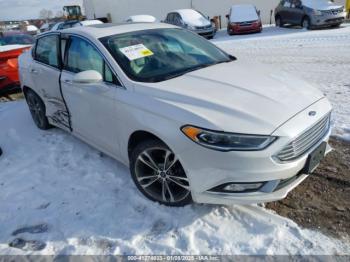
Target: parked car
16,38
141,19
309,13
244,18
193,21
87,23
32,29
189,120
46,27
74,23
9,79
56,26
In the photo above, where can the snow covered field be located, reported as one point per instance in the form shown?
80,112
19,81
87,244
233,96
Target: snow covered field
86,203
321,57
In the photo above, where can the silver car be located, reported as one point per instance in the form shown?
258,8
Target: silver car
193,21
309,13
190,121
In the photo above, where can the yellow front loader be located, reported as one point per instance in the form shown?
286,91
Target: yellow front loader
73,12
347,7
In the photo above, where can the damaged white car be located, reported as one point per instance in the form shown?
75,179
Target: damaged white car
191,121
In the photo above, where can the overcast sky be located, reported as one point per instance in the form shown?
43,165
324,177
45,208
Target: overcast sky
26,9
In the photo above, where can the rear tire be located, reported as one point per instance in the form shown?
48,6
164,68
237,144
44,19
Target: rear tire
37,110
159,175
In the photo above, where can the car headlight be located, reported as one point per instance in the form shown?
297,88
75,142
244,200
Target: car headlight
190,27
223,141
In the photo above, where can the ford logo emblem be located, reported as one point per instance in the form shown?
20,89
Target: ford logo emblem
312,113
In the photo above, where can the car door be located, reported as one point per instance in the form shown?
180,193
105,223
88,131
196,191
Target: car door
46,71
297,12
285,12
92,106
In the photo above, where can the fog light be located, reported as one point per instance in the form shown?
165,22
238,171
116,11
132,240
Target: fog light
242,187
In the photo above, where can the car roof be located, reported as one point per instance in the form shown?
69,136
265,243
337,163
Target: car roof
102,30
185,11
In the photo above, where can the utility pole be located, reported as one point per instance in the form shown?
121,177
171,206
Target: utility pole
191,4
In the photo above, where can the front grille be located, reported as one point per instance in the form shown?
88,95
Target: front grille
248,23
305,141
335,20
332,12
203,27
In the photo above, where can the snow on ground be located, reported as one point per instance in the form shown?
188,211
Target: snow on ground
321,57
86,203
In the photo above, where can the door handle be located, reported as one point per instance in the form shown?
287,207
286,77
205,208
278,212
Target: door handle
33,71
67,81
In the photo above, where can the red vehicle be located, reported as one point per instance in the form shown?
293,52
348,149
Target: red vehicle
11,46
243,19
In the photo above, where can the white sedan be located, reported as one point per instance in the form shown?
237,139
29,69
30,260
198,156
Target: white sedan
141,19
190,121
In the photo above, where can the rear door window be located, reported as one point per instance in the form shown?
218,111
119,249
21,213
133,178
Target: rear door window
47,50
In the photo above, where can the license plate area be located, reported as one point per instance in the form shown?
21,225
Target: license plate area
315,158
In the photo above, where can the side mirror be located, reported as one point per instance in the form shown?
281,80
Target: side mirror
259,12
228,16
87,77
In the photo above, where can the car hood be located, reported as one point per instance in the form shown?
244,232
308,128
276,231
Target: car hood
321,5
243,13
236,97
196,21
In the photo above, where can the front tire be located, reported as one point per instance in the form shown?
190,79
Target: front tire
37,110
159,175
336,26
306,23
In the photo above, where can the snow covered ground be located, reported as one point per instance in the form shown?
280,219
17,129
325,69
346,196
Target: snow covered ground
321,57
83,202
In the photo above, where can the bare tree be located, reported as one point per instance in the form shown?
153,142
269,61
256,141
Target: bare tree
45,14
59,14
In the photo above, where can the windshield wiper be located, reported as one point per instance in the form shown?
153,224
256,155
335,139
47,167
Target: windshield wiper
191,70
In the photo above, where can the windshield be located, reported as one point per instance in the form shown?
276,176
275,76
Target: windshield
17,39
161,54
194,17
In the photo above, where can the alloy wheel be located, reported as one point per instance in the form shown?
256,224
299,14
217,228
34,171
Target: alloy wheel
36,110
306,24
160,175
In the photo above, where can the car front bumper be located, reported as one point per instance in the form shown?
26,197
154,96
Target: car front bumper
327,20
207,33
207,169
244,29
